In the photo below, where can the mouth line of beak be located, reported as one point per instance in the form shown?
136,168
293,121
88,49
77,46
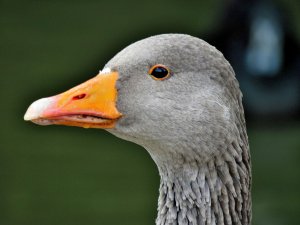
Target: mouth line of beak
75,119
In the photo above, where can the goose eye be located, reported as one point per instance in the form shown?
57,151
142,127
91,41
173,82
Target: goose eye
159,72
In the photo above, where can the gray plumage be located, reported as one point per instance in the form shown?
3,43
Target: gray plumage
193,126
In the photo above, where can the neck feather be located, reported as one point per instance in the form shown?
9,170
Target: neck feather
213,192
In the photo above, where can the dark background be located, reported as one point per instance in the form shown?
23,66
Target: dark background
63,175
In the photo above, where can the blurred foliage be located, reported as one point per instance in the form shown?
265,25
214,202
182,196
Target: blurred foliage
62,175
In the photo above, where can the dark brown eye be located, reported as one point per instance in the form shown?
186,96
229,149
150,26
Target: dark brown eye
159,72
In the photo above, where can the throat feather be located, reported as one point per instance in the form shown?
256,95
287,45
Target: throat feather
218,194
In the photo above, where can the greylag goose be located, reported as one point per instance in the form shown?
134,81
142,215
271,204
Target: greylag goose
178,97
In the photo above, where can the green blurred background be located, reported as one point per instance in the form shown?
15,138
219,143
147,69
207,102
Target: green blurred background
62,175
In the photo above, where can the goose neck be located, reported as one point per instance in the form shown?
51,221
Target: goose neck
212,192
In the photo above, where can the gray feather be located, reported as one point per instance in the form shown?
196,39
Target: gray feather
193,126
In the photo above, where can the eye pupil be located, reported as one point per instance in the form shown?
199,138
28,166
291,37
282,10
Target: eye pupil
159,72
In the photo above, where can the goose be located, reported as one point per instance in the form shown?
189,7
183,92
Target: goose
177,96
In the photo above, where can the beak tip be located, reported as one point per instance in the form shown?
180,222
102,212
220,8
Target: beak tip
36,109
27,116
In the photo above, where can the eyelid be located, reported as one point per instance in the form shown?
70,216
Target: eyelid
156,66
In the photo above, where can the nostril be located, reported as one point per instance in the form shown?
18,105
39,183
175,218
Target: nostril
77,97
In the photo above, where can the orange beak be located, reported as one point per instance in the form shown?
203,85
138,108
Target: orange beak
91,104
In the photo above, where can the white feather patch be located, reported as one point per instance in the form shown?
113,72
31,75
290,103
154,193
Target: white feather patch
105,70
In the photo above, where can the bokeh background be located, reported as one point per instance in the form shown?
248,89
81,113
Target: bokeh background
64,175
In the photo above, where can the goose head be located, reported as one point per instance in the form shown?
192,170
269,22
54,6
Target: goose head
176,96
